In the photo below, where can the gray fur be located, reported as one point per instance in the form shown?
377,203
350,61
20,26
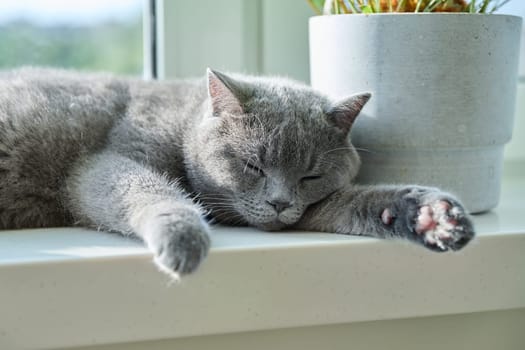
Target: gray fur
153,159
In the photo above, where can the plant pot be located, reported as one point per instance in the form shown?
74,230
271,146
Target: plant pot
443,93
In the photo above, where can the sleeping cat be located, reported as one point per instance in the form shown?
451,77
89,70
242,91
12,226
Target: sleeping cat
159,160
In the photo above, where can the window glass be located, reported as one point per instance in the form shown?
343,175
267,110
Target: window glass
81,34
513,7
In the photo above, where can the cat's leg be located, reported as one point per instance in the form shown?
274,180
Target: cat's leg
118,194
424,215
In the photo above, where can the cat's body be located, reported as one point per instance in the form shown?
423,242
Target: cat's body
52,120
152,158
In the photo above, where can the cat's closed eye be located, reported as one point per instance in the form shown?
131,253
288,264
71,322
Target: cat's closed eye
253,168
311,178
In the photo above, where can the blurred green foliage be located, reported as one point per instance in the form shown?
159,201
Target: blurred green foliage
112,46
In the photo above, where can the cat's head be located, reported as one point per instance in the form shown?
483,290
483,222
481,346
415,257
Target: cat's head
268,148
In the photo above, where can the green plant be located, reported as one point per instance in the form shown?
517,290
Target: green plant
375,6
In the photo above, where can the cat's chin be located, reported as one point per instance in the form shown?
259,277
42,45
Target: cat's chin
275,225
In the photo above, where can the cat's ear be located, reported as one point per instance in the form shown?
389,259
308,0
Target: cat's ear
226,94
343,113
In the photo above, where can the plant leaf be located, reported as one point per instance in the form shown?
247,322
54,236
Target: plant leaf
353,6
367,9
373,6
431,6
401,6
484,6
498,6
317,6
472,6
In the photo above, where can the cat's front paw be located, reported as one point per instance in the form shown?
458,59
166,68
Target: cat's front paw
442,225
435,219
179,241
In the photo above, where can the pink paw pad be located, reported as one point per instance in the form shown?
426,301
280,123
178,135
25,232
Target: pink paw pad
425,220
435,222
386,217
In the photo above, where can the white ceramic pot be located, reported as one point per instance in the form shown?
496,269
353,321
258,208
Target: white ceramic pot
443,93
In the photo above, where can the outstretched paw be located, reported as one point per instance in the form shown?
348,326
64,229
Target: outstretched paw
179,241
442,225
181,249
430,217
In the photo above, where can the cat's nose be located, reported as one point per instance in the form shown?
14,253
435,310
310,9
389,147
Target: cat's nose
279,205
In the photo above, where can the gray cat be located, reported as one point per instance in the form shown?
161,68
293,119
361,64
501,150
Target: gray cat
159,160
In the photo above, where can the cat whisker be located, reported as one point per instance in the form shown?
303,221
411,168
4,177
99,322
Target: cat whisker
327,163
261,125
228,217
223,209
213,196
337,149
364,150
239,222
215,202
248,162
221,206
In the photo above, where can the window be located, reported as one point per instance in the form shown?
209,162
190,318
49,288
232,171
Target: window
84,34
267,37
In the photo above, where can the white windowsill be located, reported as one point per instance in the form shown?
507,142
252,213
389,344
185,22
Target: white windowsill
72,287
